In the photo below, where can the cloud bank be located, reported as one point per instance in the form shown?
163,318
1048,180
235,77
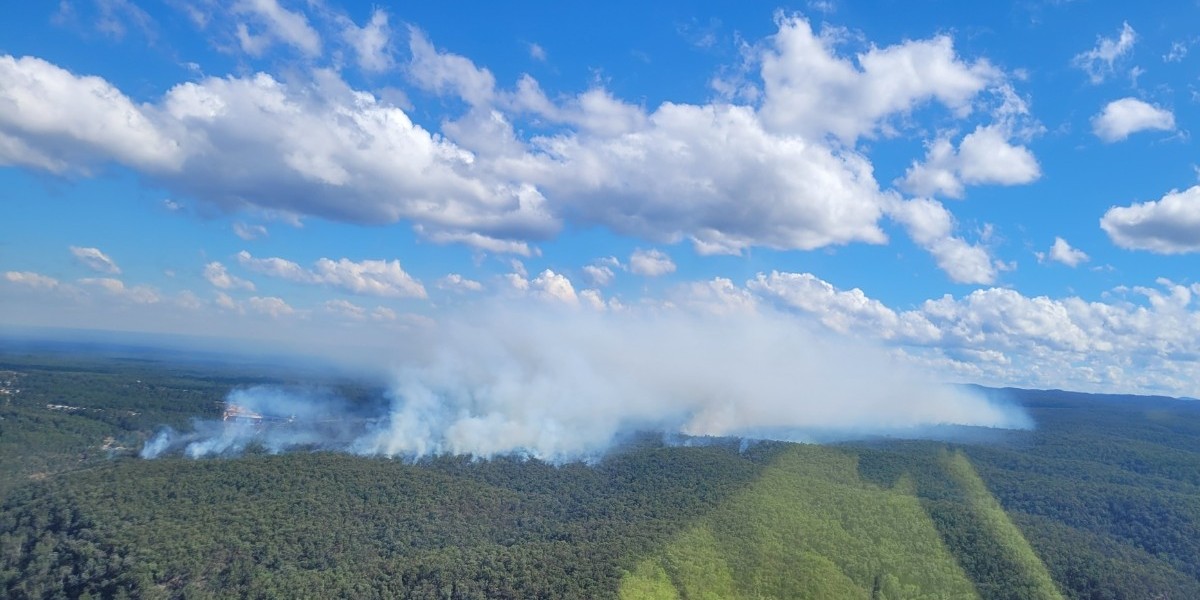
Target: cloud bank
783,167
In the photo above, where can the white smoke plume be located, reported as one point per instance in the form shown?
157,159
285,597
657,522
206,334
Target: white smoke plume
295,418
567,386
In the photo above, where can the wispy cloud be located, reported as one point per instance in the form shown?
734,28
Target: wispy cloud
95,260
1098,62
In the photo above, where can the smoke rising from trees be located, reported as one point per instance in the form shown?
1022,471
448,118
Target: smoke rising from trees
563,386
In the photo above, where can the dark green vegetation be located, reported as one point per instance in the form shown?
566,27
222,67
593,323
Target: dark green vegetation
1101,501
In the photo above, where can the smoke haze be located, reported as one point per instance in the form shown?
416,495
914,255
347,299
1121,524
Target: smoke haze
296,418
566,386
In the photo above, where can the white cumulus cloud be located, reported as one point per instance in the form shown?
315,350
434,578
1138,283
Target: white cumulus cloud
717,296
984,156
600,274
727,177
216,274
324,149
367,277
1170,225
650,263
849,311
1121,118
1062,252
271,306
457,283
713,174
812,91
555,287
55,120
371,277
931,226
1140,340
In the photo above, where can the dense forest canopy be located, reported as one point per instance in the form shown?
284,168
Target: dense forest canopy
1100,500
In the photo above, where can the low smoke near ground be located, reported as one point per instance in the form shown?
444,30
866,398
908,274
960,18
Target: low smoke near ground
287,418
567,386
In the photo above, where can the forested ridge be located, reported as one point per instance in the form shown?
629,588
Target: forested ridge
1101,500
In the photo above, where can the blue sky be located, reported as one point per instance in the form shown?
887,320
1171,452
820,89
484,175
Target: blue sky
1002,193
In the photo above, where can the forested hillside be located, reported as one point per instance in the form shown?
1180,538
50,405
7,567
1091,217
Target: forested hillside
1101,500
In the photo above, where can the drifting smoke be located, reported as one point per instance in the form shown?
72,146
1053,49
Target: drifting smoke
287,419
566,387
